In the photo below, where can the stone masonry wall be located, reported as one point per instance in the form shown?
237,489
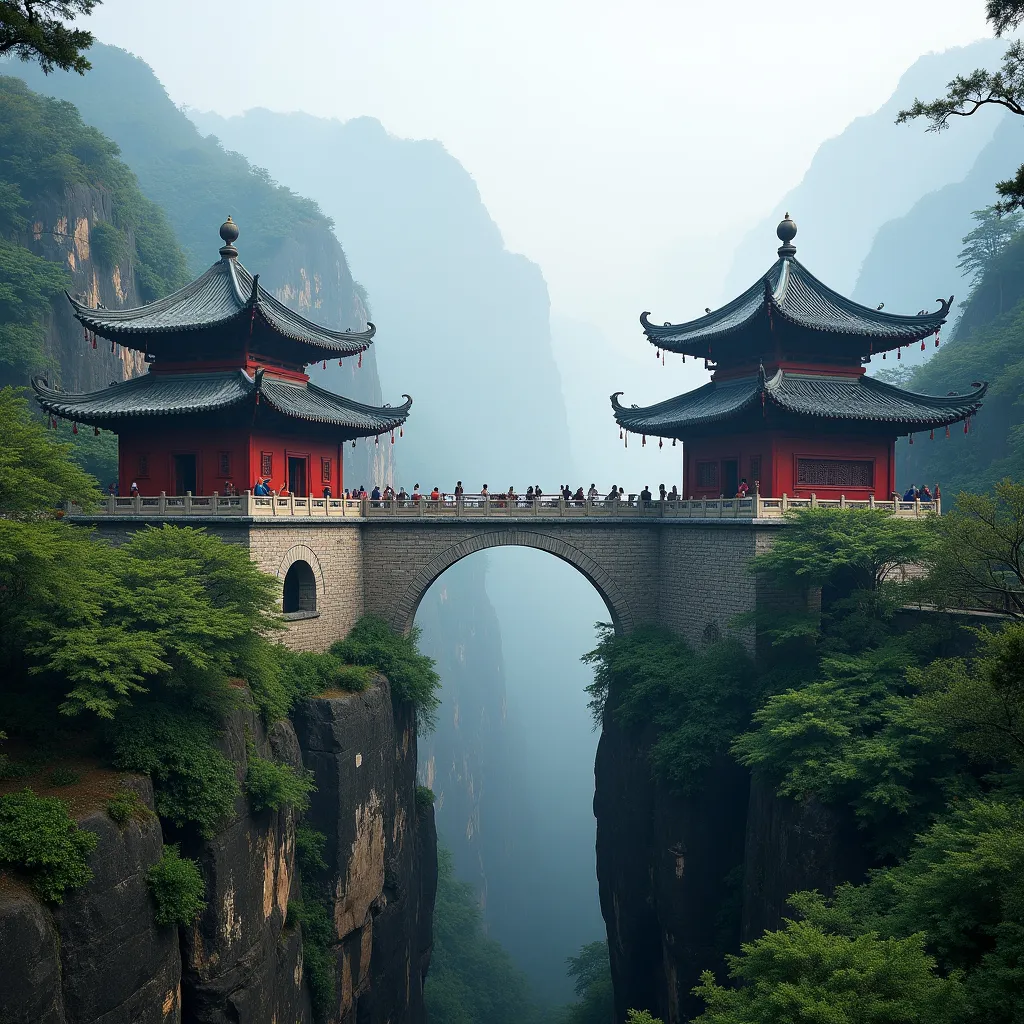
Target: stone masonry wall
334,552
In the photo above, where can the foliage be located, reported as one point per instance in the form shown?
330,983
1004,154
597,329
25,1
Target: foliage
38,30
38,836
36,471
280,677
592,977
126,804
967,94
372,642
471,979
94,453
177,887
46,150
309,849
317,956
424,799
696,702
981,551
641,1017
803,974
28,284
195,784
272,785
985,243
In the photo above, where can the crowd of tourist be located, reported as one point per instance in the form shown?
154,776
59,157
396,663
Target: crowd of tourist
500,499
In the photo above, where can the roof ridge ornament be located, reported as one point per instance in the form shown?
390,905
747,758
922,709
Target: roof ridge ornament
229,234
786,232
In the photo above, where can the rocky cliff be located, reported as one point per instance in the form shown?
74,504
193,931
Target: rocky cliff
101,958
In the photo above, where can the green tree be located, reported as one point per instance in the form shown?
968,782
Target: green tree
804,974
967,94
472,979
592,980
979,556
987,242
38,30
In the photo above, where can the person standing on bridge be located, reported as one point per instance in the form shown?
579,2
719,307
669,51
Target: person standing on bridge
375,493
613,494
645,494
435,494
484,493
459,490
416,492
592,493
661,492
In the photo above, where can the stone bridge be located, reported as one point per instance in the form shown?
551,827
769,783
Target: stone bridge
684,568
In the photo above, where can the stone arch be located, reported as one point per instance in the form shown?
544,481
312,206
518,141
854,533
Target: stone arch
303,553
404,612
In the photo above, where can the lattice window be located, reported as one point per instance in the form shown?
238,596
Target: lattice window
325,470
224,461
835,473
266,464
707,474
143,470
755,470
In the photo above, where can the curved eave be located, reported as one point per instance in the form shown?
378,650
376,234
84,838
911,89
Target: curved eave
823,399
88,408
315,405
791,292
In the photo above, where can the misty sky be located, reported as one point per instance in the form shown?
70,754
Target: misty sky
603,135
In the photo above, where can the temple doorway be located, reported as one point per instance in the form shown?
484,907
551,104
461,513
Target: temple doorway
730,477
185,474
297,475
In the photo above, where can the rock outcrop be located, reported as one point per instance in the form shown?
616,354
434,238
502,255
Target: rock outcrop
101,958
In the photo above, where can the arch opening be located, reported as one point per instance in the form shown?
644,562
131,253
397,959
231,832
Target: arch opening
619,611
299,596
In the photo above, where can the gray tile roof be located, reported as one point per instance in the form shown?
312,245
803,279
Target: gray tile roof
160,394
226,293
850,399
792,293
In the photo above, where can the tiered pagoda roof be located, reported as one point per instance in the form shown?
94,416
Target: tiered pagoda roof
166,394
230,301
790,348
841,399
222,343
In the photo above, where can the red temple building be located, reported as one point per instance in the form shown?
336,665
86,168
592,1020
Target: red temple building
789,407
226,401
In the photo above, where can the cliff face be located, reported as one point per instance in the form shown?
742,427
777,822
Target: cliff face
100,958
61,231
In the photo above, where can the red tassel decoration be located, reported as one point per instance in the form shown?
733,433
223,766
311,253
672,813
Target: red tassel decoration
620,433
392,437
966,425
376,440
911,438
922,344
325,364
401,431
85,333
936,339
339,362
643,440
947,430
931,436
96,431
353,444
359,365
661,443
53,421
74,428
93,339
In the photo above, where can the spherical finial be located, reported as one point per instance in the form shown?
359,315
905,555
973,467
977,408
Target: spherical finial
229,233
786,232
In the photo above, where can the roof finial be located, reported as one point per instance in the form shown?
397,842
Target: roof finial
786,232
229,232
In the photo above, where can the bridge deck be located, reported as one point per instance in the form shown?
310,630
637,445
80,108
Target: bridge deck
477,507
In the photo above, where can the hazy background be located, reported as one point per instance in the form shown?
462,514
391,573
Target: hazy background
638,155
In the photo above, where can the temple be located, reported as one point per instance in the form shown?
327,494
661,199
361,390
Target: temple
226,401
790,408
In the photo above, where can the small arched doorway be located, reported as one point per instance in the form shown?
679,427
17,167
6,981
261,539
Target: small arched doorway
299,598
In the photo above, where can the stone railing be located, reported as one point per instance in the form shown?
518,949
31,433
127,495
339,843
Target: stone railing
484,507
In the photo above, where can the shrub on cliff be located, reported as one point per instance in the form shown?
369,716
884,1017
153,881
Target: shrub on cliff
411,674
273,785
39,837
177,887
696,702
